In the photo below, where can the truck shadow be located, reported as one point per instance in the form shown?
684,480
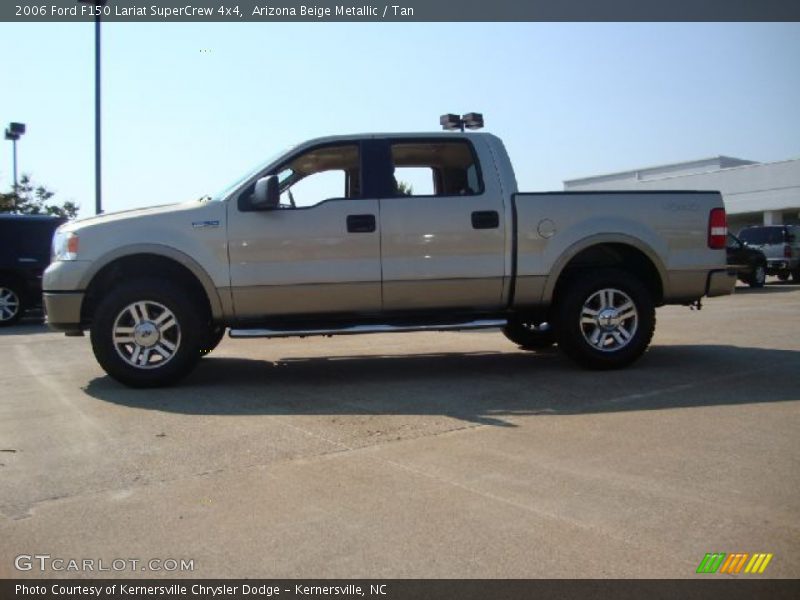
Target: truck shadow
770,288
27,325
486,388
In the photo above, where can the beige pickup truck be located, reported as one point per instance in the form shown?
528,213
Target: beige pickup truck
383,233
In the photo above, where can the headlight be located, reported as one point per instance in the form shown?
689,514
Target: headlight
65,245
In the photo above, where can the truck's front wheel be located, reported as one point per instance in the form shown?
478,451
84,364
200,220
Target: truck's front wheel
147,333
605,319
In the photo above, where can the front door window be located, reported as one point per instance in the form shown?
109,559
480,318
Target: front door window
325,173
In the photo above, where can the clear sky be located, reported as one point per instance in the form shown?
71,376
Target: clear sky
187,107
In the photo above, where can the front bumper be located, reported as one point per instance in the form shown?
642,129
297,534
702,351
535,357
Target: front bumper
64,292
721,283
63,310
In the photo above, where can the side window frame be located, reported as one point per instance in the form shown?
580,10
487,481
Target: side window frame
389,184
243,197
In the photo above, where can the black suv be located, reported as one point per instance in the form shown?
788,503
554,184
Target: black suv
750,263
24,255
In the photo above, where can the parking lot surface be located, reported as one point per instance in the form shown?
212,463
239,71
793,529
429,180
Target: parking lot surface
414,455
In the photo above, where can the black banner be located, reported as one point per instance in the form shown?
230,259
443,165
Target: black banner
265,11
404,589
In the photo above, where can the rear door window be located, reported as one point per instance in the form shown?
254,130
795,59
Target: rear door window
435,168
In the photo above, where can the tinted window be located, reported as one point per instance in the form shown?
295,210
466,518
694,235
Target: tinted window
759,236
28,238
436,168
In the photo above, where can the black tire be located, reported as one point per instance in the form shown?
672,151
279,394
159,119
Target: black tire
529,335
12,303
759,277
116,313
783,276
212,340
628,337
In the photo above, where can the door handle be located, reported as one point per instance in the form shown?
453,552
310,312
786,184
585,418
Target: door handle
360,223
485,219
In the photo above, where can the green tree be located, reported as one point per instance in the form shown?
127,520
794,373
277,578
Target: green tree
31,199
404,189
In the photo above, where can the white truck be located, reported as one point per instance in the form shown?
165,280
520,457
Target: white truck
330,238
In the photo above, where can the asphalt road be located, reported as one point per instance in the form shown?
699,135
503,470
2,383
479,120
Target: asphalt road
414,455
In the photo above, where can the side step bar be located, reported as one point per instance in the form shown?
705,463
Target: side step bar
376,328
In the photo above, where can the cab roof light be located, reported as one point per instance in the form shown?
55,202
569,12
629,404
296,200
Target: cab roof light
473,120
451,122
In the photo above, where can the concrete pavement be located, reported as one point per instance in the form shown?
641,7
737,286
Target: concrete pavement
414,455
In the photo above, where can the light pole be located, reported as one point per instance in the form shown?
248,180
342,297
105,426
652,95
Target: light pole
14,131
98,188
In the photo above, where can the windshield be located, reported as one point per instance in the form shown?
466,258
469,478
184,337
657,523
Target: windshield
222,194
759,236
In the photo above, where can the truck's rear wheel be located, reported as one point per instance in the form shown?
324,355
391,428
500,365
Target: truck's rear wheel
147,333
605,318
529,334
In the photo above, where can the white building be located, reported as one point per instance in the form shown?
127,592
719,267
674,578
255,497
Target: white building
754,193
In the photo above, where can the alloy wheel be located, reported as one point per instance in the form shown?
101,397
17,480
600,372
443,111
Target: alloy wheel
146,334
9,304
609,320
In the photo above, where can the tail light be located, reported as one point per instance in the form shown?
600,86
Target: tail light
717,229
787,251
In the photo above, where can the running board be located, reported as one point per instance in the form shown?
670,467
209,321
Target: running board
357,329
